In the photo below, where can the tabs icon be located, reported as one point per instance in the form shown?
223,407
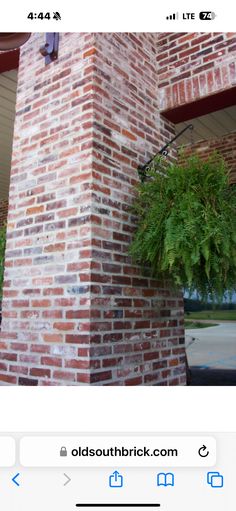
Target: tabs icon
215,479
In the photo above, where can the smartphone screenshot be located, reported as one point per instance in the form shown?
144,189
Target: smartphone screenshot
117,201
117,256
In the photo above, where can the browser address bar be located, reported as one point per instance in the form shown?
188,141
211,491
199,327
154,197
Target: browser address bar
119,451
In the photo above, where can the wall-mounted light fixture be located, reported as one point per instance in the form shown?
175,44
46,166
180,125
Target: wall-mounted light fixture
13,40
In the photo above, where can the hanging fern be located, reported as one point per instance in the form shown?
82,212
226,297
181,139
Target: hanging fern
186,226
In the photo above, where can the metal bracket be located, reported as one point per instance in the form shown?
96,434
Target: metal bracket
50,49
163,151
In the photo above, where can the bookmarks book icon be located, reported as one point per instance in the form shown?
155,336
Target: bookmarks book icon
165,479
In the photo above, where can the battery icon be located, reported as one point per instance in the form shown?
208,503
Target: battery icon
207,15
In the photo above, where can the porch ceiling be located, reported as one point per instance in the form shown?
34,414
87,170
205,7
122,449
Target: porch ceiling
8,84
209,126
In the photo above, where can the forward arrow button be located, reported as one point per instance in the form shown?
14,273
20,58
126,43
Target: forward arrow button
68,479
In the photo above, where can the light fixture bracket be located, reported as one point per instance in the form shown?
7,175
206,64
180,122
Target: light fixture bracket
50,49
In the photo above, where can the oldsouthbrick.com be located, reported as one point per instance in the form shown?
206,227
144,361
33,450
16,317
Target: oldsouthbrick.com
123,452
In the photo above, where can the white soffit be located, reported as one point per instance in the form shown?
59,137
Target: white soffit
210,126
8,84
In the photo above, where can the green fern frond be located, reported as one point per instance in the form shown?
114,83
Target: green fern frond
186,225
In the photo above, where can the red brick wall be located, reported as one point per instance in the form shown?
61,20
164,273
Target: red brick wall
225,145
48,256
75,311
3,211
139,334
194,65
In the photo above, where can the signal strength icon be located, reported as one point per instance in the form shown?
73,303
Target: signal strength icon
173,16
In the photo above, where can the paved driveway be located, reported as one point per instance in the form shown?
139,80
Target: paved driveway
212,356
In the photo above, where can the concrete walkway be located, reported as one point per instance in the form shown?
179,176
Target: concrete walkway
212,356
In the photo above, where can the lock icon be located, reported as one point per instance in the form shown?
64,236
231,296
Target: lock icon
63,451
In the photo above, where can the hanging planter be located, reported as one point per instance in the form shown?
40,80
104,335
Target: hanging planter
186,229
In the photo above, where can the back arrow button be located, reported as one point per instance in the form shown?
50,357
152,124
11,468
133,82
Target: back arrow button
14,479
68,480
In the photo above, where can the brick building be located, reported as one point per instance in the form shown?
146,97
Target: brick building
75,309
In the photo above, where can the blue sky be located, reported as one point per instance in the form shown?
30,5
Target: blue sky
227,299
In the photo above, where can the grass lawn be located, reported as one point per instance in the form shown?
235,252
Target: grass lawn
197,324
229,315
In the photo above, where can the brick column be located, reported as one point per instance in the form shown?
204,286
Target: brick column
75,310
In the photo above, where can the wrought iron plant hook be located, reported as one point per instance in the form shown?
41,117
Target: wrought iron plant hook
142,169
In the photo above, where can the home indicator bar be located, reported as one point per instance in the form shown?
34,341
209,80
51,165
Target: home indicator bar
118,505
